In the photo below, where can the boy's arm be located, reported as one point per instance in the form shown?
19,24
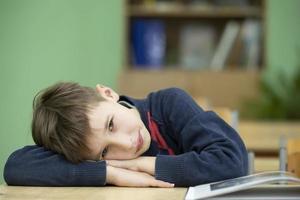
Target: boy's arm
130,178
36,166
210,150
142,164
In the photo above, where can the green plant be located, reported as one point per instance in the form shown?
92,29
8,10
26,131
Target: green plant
279,99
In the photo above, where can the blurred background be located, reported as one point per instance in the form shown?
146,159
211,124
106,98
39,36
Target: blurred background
236,56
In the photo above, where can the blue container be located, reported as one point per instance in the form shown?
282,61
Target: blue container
148,42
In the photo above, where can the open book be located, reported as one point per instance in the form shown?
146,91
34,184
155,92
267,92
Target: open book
238,184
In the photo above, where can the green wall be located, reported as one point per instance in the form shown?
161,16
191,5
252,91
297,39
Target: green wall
44,41
283,42
283,35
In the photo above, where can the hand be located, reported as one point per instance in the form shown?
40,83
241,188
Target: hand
128,178
140,164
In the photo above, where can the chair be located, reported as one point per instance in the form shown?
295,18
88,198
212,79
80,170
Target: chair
293,155
289,155
228,115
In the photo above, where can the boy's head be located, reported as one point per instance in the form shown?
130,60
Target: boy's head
84,123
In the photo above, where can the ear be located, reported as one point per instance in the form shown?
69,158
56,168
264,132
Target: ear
107,93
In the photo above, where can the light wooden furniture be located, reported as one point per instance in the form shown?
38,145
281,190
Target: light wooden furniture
222,89
90,193
266,163
263,138
228,115
176,14
123,193
228,87
293,155
203,102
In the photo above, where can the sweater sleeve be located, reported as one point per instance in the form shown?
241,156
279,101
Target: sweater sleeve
210,149
36,166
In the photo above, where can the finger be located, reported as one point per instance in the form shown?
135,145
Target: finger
163,184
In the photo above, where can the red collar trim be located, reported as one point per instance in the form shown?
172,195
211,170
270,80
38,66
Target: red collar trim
156,136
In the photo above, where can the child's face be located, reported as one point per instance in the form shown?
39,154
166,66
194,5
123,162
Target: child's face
117,132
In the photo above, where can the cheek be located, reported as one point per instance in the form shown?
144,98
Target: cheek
128,121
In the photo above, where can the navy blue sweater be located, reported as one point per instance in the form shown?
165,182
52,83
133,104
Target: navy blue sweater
192,147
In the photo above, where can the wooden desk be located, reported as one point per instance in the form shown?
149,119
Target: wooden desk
86,193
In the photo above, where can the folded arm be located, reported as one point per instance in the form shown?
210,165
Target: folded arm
210,150
36,166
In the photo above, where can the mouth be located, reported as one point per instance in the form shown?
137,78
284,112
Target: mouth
139,142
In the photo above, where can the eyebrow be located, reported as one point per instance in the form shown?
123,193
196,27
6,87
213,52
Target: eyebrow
105,130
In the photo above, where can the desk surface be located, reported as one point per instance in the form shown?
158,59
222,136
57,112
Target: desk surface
103,193
278,192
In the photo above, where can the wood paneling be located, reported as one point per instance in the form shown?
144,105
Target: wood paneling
225,89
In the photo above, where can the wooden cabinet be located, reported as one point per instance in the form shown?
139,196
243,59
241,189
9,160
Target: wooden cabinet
195,34
201,46
226,89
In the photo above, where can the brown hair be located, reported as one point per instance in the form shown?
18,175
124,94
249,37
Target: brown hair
60,119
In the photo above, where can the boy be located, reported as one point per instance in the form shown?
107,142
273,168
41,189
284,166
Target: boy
96,137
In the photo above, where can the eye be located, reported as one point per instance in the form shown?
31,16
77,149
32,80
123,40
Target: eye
104,152
111,125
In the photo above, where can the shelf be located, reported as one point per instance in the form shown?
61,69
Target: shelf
164,68
197,72
188,29
195,11
233,34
